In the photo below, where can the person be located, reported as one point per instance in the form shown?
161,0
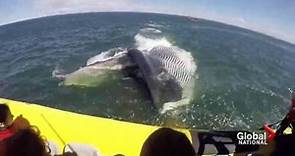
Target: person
26,142
219,143
8,126
289,118
167,142
6,119
78,149
282,144
29,142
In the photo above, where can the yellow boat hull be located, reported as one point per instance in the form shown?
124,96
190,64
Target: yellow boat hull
108,136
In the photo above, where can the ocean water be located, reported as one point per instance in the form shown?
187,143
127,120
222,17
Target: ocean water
243,76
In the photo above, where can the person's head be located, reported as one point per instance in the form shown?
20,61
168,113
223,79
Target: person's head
6,118
26,142
167,142
282,145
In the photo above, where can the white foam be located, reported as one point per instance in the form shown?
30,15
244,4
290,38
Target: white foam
154,25
153,30
144,43
106,55
57,73
150,37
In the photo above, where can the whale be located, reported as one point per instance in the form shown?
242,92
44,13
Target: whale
168,73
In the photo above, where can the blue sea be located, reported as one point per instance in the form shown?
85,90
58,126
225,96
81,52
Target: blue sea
242,83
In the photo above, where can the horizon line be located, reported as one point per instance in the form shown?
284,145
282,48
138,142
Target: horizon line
149,12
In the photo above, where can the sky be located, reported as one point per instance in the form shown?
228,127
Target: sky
272,17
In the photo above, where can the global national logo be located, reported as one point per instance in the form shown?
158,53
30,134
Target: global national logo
254,138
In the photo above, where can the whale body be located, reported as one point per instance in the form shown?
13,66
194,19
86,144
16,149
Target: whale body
167,72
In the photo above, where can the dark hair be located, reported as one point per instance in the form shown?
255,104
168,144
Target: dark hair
4,109
26,142
284,145
167,142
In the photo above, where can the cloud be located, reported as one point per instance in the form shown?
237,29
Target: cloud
54,7
39,8
49,7
238,20
242,20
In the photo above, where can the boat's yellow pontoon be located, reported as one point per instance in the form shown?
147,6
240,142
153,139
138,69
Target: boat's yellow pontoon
108,136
